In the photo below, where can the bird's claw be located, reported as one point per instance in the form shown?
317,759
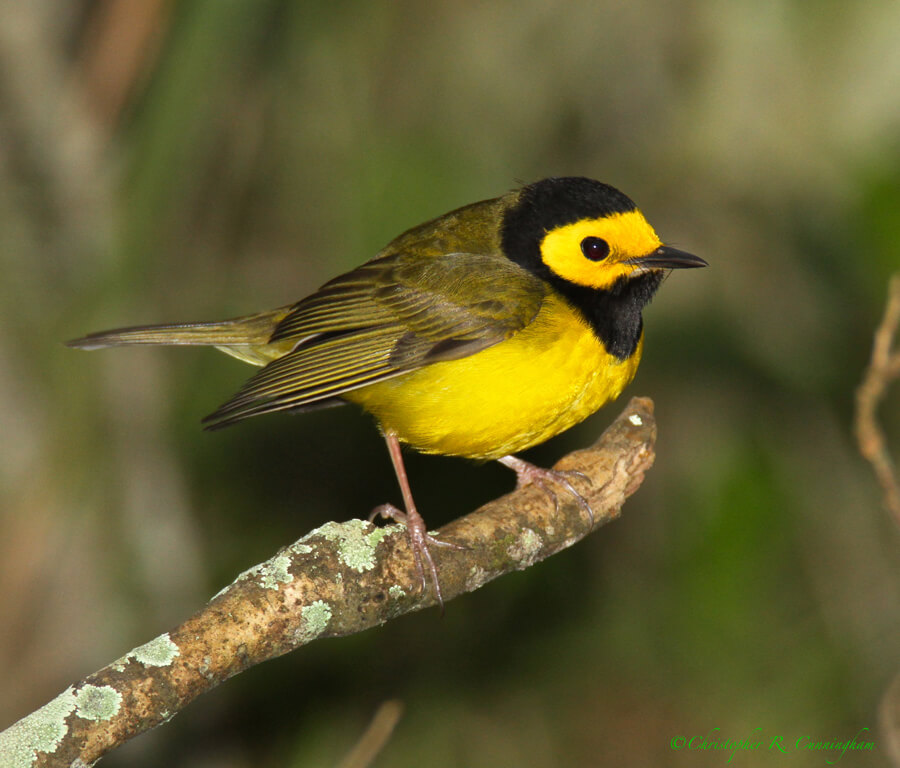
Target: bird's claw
530,474
419,542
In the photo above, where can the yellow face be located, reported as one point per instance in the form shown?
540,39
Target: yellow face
594,252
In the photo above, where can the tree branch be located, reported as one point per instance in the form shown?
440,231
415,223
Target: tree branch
338,579
884,367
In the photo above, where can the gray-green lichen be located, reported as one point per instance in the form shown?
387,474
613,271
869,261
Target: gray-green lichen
526,548
274,571
356,541
297,548
159,652
396,591
314,619
97,702
41,731
476,578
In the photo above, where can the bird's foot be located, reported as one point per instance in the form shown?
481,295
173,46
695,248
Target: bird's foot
530,474
419,542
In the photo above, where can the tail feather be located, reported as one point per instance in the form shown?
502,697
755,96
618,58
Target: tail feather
246,338
252,329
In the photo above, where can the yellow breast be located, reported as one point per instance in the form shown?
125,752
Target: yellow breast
518,393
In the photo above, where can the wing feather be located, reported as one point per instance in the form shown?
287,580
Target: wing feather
389,316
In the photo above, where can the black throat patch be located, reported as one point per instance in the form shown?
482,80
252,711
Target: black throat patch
614,314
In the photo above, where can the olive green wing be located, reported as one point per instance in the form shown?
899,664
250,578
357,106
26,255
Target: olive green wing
388,317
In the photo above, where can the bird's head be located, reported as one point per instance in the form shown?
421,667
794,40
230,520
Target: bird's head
584,233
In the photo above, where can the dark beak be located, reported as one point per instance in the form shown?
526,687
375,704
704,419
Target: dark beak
665,257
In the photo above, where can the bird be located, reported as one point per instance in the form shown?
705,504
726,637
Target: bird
479,334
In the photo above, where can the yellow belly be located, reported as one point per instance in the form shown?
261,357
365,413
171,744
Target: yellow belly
518,393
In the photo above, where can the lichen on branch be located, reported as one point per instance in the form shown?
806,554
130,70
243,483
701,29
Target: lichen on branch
339,579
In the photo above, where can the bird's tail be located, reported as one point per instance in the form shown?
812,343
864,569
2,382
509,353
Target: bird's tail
246,338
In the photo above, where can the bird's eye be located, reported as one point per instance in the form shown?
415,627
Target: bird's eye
595,248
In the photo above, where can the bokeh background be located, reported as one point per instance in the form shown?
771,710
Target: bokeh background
199,159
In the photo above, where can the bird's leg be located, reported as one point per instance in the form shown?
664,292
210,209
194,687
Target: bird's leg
419,539
529,474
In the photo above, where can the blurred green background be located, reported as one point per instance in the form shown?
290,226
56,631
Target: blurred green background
201,159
